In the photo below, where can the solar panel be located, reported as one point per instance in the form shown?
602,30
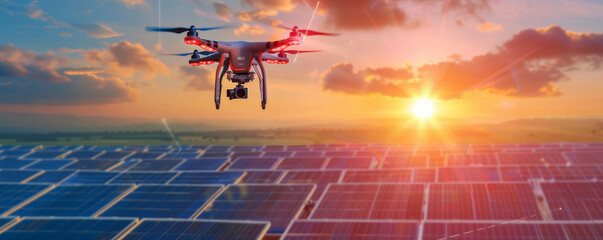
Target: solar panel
308,154
99,165
6,147
349,162
143,177
207,178
302,163
377,176
482,201
202,164
320,178
28,147
531,158
107,148
277,154
198,229
574,200
162,201
236,155
254,163
559,172
155,165
15,153
261,176
339,153
492,230
482,159
424,175
351,229
83,154
46,154
146,155
81,200
114,155
404,161
180,155
89,177
16,176
54,148
51,177
124,165
278,204
214,155
468,174
49,165
370,201
585,157
13,163
12,195
39,228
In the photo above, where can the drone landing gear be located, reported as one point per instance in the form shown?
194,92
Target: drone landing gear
262,77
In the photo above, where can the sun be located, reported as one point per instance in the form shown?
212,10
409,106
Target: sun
423,108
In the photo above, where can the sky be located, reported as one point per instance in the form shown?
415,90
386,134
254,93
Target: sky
479,60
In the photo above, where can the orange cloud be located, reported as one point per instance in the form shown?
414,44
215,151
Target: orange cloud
280,5
223,11
489,27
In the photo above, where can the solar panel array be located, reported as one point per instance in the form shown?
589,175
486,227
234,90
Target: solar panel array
335,191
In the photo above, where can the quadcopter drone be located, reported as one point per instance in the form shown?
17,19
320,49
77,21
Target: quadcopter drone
239,57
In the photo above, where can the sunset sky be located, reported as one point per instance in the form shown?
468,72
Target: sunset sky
481,60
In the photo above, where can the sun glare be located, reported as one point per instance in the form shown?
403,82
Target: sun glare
423,108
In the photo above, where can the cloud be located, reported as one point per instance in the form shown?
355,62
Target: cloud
280,5
527,65
466,9
131,3
96,30
32,78
125,59
31,10
261,16
245,28
223,11
197,78
66,34
489,27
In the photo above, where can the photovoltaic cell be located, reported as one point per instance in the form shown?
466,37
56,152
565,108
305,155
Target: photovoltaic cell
146,155
253,163
16,176
214,155
574,200
13,163
99,165
278,204
207,178
124,165
198,229
302,163
424,175
83,154
468,174
585,157
155,165
320,178
370,201
51,177
72,201
45,154
349,162
531,158
90,177
15,153
143,178
551,172
83,229
50,164
378,176
356,229
114,155
277,154
180,155
493,230
202,164
13,194
471,159
404,161
261,176
482,201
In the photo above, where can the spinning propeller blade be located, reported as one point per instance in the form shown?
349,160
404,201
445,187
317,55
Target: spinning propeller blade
179,30
309,32
204,53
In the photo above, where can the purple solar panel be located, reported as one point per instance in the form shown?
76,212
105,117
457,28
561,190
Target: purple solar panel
531,158
277,154
370,201
574,200
502,201
404,161
351,230
556,172
378,176
302,163
349,162
254,163
261,176
492,231
308,154
585,157
320,178
468,174
482,159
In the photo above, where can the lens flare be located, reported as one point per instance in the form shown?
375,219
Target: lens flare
423,108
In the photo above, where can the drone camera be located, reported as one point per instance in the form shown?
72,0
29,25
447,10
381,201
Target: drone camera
238,92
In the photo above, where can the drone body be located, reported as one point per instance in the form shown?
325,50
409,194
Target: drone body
236,59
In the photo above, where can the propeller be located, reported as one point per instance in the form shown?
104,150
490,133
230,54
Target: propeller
296,51
204,53
179,30
309,32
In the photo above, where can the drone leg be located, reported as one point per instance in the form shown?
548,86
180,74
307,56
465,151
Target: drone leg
263,84
218,84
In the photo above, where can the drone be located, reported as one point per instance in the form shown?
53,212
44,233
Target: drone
235,59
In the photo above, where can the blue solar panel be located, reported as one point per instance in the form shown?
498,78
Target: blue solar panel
15,153
6,147
162,201
46,154
90,177
143,177
261,176
155,165
114,155
4,221
254,163
198,229
82,200
54,148
278,204
99,165
215,154
146,155
13,194
124,165
51,177
207,178
15,176
13,163
180,155
107,148
83,154
84,229
50,164
202,164
350,162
